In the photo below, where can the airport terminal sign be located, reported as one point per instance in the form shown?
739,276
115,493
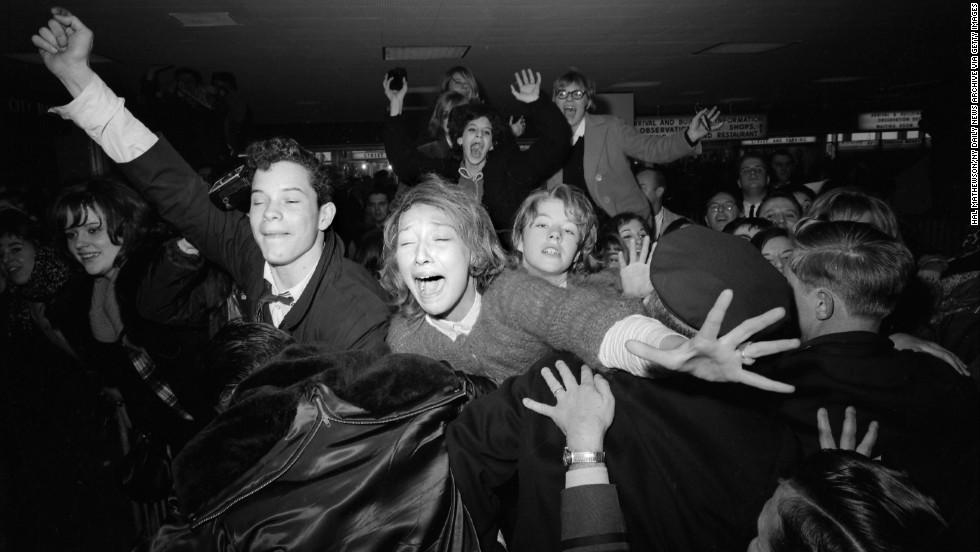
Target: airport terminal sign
889,120
737,127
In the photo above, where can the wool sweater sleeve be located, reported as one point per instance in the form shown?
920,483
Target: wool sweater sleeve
573,320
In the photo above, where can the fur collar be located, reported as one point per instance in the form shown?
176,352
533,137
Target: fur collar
265,404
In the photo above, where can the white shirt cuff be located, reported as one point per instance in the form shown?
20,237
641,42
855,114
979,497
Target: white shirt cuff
613,353
103,116
598,475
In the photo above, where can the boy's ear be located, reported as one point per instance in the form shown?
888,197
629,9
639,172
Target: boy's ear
825,305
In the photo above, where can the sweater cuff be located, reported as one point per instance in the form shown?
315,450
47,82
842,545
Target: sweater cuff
612,350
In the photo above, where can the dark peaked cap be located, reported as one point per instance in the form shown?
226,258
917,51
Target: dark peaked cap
693,265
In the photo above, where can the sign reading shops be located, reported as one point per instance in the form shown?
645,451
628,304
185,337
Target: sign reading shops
737,127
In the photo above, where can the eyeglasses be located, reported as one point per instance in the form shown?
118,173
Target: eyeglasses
575,94
719,207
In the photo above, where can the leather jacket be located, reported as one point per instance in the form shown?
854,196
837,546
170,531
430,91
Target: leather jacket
339,477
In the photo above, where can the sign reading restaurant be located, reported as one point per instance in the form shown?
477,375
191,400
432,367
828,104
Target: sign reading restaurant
748,126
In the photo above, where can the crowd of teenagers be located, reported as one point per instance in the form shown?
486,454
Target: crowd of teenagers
514,348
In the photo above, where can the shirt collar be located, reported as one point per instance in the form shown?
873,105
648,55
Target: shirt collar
452,330
579,131
294,291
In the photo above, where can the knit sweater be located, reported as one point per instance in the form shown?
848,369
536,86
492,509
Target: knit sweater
522,319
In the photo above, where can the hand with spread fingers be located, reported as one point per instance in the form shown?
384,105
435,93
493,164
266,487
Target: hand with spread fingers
848,435
704,122
65,45
528,87
584,410
634,268
712,358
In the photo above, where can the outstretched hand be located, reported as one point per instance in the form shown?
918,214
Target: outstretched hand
906,342
584,410
528,86
634,268
704,122
708,357
848,435
65,45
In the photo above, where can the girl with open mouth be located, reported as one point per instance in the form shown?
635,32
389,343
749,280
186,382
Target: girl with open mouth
458,302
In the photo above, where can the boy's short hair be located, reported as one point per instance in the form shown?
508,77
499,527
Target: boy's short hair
841,500
865,267
264,153
471,222
855,205
574,77
579,210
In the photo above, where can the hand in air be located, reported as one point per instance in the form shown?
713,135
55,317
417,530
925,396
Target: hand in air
528,86
712,358
65,45
705,121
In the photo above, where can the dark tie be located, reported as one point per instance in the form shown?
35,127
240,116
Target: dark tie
752,212
268,297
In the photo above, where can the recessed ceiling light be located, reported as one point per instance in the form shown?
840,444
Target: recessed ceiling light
399,53
838,79
204,19
743,48
636,84
35,58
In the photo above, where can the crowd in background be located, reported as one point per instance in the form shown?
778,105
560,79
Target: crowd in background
298,364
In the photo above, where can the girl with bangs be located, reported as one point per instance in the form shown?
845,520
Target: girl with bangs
146,309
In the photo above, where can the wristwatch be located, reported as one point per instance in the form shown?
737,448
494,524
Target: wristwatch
582,457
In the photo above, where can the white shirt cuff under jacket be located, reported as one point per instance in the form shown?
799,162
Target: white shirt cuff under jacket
104,117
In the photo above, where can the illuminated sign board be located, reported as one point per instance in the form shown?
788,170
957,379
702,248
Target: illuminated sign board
323,156
781,140
737,127
367,155
889,120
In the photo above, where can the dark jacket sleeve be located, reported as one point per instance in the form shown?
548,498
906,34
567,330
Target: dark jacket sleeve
407,162
591,519
181,197
179,288
547,154
484,443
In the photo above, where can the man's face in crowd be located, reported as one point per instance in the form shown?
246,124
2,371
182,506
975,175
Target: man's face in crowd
782,168
477,141
377,206
652,185
780,211
286,221
572,109
722,209
752,176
